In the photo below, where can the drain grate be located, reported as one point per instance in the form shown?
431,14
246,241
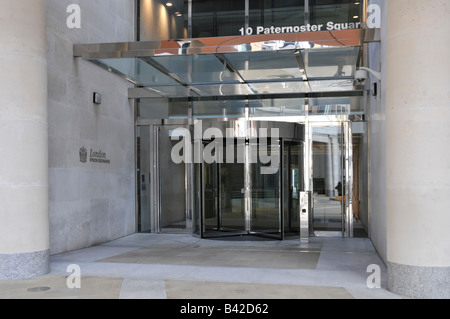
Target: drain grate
38,289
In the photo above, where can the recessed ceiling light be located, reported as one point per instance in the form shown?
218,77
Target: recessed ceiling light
355,17
169,4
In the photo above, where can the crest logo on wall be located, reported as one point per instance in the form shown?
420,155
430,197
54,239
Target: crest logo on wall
83,155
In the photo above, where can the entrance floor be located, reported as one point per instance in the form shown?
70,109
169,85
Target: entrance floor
179,266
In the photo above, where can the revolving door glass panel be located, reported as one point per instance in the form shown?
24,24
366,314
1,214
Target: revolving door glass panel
250,196
223,197
265,190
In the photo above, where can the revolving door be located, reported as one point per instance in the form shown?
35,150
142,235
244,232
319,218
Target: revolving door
250,185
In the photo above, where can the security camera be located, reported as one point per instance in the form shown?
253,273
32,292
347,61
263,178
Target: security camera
361,76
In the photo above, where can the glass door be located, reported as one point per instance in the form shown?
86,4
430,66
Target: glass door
331,177
223,211
238,198
265,192
293,185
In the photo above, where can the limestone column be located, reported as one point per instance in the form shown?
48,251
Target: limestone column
418,153
24,225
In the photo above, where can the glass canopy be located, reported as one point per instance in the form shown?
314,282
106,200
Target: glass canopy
260,68
241,73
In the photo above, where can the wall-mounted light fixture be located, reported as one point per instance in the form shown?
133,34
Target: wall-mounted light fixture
97,99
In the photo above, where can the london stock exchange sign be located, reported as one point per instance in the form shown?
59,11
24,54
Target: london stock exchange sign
93,156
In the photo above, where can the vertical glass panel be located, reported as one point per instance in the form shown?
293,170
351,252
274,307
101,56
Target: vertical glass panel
224,194
210,201
197,191
265,191
217,18
143,177
157,21
328,179
232,195
172,184
280,13
293,166
345,12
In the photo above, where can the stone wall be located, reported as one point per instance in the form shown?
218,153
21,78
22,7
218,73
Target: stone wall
91,202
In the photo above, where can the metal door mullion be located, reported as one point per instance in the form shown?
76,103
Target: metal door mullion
349,180
218,197
282,190
247,189
343,149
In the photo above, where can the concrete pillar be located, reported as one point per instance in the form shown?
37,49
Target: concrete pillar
417,146
24,225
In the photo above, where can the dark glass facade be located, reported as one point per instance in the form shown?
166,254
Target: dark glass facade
206,18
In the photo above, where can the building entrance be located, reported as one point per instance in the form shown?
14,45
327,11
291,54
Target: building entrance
256,190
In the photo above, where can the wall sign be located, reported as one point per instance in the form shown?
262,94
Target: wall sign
330,26
94,156
373,21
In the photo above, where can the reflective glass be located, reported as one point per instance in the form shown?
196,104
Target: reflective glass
139,71
219,109
280,13
335,11
265,65
197,68
265,191
276,107
223,89
217,18
328,151
336,106
280,87
330,62
331,85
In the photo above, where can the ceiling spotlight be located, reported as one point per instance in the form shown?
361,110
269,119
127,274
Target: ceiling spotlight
169,4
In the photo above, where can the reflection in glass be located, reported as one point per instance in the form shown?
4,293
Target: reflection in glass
224,197
268,65
217,18
293,184
277,107
197,68
218,109
343,11
265,194
330,62
139,71
278,13
328,178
